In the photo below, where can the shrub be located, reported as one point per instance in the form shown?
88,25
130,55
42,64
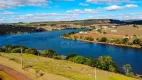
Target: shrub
49,53
16,50
7,48
71,56
89,38
125,40
2,50
88,61
130,74
79,59
57,57
103,39
32,51
136,41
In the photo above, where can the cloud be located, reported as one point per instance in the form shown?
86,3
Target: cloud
8,13
127,16
85,11
12,3
83,4
107,1
130,6
39,17
115,7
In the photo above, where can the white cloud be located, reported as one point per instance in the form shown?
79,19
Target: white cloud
83,4
127,16
130,6
115,7
107,1
12,3
8,13
85,11
38,17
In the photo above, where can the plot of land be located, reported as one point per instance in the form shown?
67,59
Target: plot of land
59,69
120,33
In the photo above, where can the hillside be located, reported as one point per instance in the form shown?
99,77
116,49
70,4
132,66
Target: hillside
56,69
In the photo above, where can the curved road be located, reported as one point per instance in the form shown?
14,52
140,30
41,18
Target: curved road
13,73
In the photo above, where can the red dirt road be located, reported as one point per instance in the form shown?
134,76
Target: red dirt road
13,73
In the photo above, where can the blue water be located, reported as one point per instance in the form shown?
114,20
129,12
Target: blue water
44,40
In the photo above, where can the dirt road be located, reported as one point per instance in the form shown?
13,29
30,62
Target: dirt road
13,73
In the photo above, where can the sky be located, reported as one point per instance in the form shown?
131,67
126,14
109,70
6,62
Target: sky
13,11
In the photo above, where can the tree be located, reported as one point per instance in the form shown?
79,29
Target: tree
7,48
136,41
71,56
103,39
79,59
32,51
125,40
88,61
16,50
49,53
89,38
127,68
111,68
106,63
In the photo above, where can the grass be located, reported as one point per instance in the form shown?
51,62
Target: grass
4,76
67,69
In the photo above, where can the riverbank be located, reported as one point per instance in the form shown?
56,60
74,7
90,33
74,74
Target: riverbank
121,45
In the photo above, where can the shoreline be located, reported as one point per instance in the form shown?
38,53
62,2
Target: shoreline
121,45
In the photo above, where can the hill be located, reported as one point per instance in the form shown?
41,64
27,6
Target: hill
56,69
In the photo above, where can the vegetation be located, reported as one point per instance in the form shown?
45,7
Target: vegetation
18,49
103,62
56,69
89,38
103,39
127,68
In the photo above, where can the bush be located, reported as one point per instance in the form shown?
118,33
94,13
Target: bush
125,40
32,51
103,39
16,50
79,59
49,53
130,74
57,57
89,38
106,63
71,56
7,48
88,61
137,41
2,50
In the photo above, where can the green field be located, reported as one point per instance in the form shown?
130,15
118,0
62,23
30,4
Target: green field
66,69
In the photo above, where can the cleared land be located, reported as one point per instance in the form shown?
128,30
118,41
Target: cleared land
119,34
56,69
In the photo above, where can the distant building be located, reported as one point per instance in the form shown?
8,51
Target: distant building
105,27
83,32
113,30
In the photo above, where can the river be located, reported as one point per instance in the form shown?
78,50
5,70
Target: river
44,40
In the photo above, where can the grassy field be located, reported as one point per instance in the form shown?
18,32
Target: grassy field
57,69
4,76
